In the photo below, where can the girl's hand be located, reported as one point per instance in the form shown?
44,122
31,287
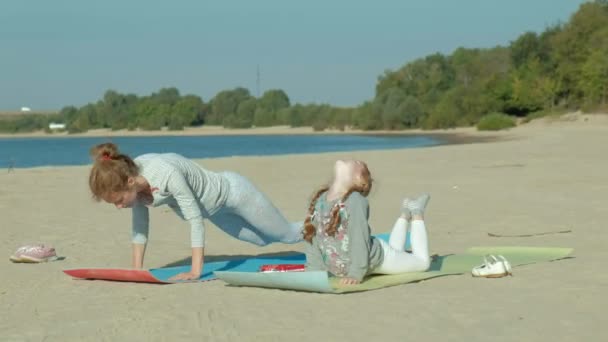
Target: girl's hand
349,281
185,276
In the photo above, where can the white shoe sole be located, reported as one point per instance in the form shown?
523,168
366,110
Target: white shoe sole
498,275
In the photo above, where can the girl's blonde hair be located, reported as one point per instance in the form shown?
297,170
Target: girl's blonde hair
363,188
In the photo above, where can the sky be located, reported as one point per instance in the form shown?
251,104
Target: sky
69,52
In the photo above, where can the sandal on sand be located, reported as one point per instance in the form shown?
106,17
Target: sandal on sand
492,267
34,254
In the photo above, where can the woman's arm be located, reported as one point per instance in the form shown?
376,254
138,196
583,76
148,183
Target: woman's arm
139,237
198,259
179,188
137,258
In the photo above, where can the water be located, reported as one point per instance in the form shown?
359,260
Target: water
33,152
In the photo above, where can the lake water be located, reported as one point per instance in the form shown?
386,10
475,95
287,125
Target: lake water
33,152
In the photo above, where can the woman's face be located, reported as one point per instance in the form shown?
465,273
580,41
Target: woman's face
123,199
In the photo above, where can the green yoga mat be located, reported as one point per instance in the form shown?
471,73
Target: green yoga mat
441,266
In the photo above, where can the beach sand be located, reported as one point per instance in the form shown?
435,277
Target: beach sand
548,175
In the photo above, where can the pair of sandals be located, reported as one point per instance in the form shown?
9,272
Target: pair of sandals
494,266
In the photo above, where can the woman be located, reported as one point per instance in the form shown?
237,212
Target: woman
227,199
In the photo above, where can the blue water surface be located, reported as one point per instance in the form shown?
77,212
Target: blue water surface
34,152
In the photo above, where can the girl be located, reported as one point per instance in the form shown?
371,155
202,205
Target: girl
338,232
227,199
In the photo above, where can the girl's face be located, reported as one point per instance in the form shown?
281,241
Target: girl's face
349,172
123,199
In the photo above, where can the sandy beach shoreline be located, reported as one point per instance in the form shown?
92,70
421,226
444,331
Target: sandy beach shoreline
219,130
544,176
444,137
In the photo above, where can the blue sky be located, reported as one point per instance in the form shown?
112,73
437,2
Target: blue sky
62,52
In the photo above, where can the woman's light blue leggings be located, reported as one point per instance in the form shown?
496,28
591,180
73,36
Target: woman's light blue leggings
250,216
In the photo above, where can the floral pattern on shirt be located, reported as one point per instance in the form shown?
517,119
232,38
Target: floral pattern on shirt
335,250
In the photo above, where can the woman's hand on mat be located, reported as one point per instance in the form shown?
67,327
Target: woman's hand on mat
185,276
349,281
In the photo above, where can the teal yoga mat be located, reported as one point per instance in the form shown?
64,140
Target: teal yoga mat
441,266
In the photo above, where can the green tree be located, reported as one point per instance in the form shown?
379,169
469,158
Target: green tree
412,112
531,89
294,115
156,118
594,81
116,108
274,100
573,46
167,96
525,48
69,113
267,107
594,72
243,118
390,106
368,116
245,112
185,112
226,103
448,111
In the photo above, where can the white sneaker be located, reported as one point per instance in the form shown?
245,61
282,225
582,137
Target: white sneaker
492,267
506,263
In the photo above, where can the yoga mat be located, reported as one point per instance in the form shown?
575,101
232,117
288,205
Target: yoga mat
162,275
441,266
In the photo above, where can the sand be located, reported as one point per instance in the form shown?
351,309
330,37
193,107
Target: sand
540,177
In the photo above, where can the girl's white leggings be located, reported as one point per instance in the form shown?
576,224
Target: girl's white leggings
396,259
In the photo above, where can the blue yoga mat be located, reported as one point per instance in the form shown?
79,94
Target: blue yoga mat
236,265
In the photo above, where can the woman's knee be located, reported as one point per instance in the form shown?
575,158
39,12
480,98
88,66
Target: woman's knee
257,242
290,237
252,237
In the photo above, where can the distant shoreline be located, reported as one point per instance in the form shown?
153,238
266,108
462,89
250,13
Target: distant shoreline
451,136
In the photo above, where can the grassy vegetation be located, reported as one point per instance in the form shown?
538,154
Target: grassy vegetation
495,122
